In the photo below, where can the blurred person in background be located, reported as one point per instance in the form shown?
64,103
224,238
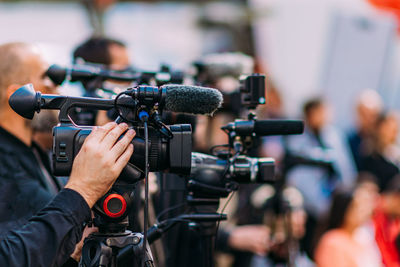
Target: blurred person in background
383,156
282,211
103,50
344,242
369,106
22,63
111,54
320,142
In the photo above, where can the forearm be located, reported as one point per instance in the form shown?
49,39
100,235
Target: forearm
50,236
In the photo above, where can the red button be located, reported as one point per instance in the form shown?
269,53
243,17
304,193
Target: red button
114,197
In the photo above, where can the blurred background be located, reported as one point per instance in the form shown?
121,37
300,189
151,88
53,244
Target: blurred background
331,48
340,57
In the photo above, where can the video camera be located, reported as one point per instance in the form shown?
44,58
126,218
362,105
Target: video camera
93,75
249,94
213,69
169,146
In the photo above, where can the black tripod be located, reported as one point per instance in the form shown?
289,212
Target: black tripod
207,228
279,212
198,202
114,245
204,193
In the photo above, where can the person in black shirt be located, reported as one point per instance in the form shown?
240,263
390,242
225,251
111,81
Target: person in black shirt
26,182
21,196
110,54
369,106
51,235
383,157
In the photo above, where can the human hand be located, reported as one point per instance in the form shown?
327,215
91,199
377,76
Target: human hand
252,238
76,255
100,161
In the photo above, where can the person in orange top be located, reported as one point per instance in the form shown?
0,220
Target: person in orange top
348,243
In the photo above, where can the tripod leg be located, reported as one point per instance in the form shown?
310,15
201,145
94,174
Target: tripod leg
95,254
148,258
105,256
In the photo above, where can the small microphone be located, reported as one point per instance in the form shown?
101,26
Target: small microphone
192,99
265,127
278,127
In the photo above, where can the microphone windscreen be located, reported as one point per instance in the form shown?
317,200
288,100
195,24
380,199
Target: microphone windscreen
192,99
278,127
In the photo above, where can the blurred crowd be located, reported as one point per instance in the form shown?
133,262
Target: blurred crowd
341,189
336,197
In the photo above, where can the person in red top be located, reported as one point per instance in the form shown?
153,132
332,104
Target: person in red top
389,5
386,220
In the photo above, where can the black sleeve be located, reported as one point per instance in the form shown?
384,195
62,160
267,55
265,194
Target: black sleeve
50,236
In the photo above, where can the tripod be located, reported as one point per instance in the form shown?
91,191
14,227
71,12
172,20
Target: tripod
197,221
114,245
203,198
279,212
115,249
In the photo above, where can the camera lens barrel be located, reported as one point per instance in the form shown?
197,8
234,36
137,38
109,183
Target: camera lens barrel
243,170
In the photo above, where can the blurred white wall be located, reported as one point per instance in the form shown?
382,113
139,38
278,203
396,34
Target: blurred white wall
295,42
154,33
157,33
55,27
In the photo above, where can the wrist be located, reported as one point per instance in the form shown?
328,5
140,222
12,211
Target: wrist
84,191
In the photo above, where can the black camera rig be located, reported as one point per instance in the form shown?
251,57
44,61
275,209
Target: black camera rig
159,147
93,75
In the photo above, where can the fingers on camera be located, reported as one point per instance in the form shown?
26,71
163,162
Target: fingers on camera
99,132
124,158
113,135
122,144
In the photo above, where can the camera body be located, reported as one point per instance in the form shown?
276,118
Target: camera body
252,89
165,154
249,94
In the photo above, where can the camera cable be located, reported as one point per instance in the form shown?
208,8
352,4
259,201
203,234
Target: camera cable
233,185
144,116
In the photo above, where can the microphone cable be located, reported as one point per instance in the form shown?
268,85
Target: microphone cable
144,116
